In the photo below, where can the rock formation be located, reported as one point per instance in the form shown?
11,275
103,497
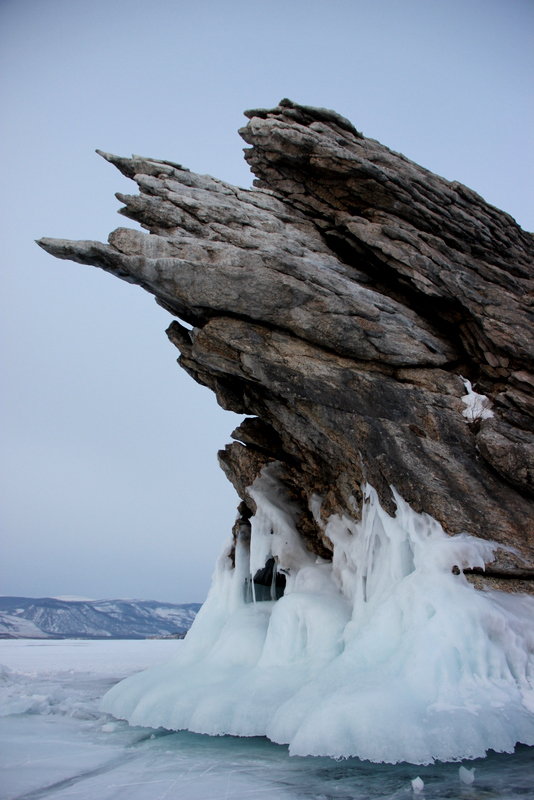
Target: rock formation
344,305
374,323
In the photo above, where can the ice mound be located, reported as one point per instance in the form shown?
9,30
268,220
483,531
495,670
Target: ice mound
385,653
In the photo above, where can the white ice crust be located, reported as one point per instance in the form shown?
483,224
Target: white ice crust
385,653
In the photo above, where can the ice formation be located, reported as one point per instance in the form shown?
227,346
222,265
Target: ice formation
386,653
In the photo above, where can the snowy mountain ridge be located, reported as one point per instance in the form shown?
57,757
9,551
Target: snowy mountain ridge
51,617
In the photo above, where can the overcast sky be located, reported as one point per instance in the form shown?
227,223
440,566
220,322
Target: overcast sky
110,482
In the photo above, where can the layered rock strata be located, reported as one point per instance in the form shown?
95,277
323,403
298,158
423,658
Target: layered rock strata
342,304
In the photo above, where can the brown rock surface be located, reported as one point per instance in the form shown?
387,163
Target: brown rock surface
340,303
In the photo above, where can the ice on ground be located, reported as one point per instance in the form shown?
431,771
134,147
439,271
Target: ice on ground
52,755
55,680
114,658
51,726
385,653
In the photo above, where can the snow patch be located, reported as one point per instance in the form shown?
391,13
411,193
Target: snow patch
477,406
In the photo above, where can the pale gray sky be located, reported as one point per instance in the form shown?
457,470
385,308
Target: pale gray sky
110,484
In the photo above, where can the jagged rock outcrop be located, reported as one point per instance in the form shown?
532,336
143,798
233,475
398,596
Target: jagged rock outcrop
342,303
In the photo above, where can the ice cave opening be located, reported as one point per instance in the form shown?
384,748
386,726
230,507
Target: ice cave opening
267,583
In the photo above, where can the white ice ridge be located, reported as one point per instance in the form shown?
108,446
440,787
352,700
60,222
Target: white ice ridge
384,653
477,406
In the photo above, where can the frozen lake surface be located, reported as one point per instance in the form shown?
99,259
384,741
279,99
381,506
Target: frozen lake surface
55,743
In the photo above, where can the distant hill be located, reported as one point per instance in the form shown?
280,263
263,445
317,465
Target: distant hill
54,618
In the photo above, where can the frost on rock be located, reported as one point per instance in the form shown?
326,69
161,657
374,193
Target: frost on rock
386,653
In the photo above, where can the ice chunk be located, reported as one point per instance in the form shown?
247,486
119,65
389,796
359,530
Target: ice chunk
466,776
384,653
418,785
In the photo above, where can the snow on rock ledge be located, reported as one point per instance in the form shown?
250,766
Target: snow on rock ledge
386,653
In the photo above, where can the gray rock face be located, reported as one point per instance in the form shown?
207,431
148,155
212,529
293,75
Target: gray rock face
341,303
